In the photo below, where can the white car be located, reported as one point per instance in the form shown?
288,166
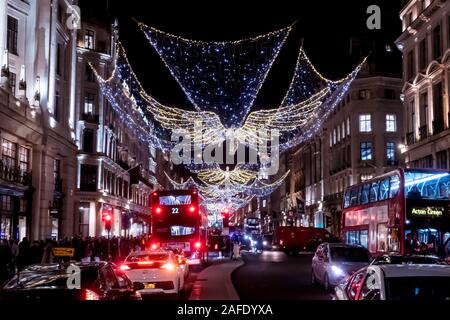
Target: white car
334,262
159,271
397,282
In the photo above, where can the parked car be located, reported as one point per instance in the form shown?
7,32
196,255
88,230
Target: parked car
397,282
333,262
97,281
158,271
408,259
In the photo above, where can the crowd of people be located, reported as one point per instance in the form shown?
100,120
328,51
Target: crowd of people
15,256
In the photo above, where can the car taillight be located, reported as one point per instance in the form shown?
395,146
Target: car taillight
124,267
168,266
198,245
192,209
90,295
158,210
145,263
154,246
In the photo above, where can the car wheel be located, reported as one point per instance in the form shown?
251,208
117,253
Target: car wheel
313,278
326,283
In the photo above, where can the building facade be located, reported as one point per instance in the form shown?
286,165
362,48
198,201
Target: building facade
359,141
65,155
425,43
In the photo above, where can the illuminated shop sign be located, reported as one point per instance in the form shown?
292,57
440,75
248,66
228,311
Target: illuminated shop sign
428,211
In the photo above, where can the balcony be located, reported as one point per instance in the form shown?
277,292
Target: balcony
90,118
14,174
410,138
423,132
438,126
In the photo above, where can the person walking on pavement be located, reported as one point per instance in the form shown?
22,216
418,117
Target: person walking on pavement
47,257
236,251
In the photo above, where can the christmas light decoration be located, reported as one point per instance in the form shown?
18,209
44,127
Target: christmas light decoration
223,77
218,176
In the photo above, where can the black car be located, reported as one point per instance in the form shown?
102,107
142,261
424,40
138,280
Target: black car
76,281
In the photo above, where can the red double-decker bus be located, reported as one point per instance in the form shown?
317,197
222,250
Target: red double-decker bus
404,211
178,223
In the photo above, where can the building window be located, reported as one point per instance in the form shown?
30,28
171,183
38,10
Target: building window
423,54
348,126
441,160
89,100
410,65
60,14
24,159
89,39
12,82
9,153
343,129
365,123
13,30
264,203
390,152
334,136
57,106
364,94
88,178
391,123
338,133
89,73
366,151
88,140
331,139
423,109
84,219
437,43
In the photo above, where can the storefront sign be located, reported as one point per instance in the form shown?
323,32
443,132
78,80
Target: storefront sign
429,211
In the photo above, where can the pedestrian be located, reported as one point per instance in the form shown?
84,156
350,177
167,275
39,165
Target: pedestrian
236,251
5,257
14,253
23,257
48,257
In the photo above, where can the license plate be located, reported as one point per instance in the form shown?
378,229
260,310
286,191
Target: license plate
149,286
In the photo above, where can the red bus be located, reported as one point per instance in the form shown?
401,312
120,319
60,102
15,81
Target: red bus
178,222
404,211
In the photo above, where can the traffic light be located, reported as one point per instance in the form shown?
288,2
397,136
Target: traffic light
225,217
328,222
107,218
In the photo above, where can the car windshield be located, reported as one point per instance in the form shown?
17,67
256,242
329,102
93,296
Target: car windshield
418,288
348,254
148,257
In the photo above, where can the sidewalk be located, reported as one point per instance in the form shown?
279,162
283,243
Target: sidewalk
214,283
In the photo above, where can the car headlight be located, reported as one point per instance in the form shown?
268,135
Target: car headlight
337,271
264,243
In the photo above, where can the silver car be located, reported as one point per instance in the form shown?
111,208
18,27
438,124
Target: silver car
334,262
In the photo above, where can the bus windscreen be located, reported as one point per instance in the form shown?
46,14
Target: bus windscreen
175,200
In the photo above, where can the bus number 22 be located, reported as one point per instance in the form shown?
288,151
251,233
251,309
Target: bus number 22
174,210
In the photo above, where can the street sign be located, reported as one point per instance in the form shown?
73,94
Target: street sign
63,252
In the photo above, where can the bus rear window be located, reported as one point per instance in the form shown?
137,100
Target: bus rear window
181,231
175,200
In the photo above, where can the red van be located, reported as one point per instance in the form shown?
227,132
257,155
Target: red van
295,239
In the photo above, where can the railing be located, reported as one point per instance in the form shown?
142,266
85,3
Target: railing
438,126
90,118
423,132
410,138
14,174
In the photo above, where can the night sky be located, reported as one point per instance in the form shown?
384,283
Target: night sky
325,26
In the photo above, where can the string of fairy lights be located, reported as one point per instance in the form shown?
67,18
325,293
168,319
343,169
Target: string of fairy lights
222,80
